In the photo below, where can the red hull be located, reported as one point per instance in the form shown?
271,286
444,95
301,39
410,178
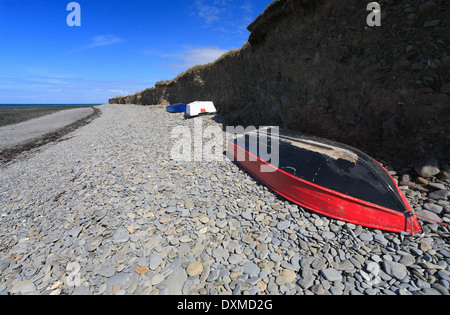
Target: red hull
328,202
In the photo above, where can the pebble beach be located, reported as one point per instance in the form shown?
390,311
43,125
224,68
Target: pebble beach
106,210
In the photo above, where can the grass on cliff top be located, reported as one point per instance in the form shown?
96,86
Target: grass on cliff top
197,67
271,4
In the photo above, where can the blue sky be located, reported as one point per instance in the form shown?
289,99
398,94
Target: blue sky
120,48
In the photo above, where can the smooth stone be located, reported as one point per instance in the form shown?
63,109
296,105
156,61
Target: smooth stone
283,225
328,235
247,215
366,237
428,214
307,279
286,276
176,280
434,208
437,186
75,231
155,260
331,275
407,260
318,289
157,279
439,194
107,271
251,269
194,269
118,278
395,270
121,236
235,259
295,262
221,223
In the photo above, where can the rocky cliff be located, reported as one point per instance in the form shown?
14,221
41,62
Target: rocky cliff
315,66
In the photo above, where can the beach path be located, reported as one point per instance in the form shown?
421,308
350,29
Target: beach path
23,133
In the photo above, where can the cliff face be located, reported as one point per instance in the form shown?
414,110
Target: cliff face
315,67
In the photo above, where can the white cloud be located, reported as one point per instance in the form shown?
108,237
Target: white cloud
191,56
201,55
104,40
210,13
230,16
121,92
98,41
247,7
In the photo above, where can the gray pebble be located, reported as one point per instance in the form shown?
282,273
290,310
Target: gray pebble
121,236
395,270
107,271
75,231
176,281
221,223
154,261
118,278
439,194
307,279
366,237
331,274
328,235
251,269
434,208
235,259
283,225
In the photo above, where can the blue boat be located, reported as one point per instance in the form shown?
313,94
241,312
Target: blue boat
176,108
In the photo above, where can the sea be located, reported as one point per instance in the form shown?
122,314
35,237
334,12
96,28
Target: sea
28,106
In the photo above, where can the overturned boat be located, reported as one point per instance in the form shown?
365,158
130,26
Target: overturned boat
324,176
198,108
176,108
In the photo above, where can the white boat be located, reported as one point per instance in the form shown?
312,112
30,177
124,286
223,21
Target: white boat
196,108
